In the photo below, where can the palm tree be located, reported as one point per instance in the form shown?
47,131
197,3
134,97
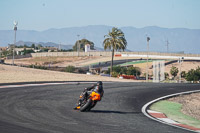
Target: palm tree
115,40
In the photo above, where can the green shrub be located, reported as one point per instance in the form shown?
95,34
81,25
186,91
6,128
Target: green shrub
115,74
174,71
183,74
123,70
133,71
31,66
70,69
116,69
166,75
193,75
37,67
80,70
108,71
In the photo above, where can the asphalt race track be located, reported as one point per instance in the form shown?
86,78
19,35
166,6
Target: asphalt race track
48,109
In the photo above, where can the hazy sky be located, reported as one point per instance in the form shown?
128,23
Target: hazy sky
45,14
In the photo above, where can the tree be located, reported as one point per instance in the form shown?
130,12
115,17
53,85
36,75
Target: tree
193,75
82,44
174,71
27,51
133,71
39,46
33,46
20,46
183,74
166,75
115,40
25,46
6,53
117,69
123,70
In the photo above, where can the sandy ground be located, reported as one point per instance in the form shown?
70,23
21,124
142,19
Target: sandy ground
185,66
62,61
10,74
82,61
191,104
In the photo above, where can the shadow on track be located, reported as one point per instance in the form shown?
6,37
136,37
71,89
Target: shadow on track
115,112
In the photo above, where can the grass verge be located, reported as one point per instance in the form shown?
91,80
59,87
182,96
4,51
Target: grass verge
173,111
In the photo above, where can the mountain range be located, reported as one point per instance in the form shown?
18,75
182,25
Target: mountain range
179,39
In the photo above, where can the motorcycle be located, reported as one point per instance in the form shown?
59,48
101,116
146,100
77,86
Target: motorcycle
88,100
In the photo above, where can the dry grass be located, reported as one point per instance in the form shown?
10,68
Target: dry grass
56,61
143,67
190,104
63,61
10,74
186,66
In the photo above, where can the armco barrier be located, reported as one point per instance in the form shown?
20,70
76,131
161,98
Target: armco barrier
118,55
127,76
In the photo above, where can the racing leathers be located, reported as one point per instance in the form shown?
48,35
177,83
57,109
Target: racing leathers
98,88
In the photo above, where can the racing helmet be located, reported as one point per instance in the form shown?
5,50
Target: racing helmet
99,83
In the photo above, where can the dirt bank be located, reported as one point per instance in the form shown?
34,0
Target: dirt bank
190,104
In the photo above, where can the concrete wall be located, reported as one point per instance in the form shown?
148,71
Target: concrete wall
71,54
20,56
104,54
46,54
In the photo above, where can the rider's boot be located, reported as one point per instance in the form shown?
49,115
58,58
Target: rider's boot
77,108
78,105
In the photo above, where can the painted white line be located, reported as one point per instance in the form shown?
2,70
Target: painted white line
160,56
43,84
110,125
151,111
168,120
145,107
28,85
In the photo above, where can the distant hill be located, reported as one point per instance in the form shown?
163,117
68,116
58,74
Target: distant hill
47,44
180,39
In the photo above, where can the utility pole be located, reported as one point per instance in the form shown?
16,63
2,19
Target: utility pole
167,46
147,67
0,52
15,29
180,65
59,47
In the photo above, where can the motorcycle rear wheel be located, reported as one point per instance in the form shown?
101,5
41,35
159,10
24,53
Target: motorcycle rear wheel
92,106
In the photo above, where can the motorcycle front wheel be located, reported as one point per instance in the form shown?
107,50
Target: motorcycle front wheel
86,105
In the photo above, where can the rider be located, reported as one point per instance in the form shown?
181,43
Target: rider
98,88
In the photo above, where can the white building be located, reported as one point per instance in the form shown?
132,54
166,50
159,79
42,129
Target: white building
87,48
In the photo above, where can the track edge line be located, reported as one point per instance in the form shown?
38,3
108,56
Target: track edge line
146,106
